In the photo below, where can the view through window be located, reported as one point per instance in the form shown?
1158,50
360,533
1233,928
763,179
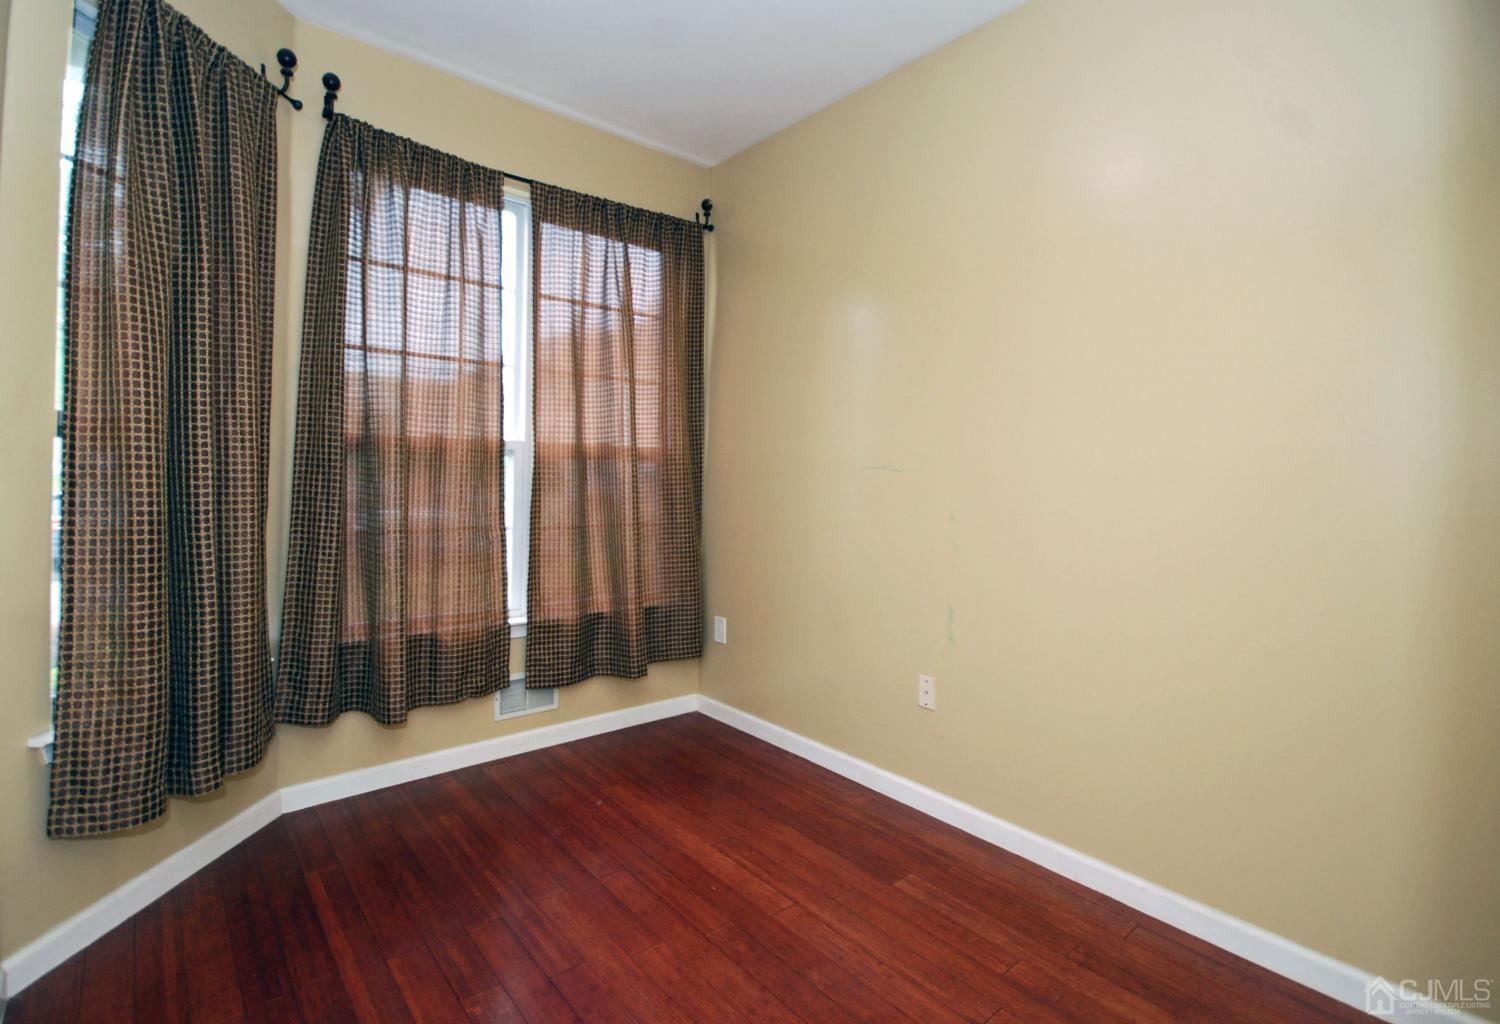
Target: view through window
72,95
515,353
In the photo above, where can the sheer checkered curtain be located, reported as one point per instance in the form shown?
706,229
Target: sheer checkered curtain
395,592
614,580
163,680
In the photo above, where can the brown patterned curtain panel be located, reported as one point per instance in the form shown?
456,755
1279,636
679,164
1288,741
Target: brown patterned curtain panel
614,579
395,592
163,676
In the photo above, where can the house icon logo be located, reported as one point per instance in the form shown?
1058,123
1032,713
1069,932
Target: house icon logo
1380,997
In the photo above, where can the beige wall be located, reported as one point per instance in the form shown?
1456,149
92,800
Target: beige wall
1134,368
42,882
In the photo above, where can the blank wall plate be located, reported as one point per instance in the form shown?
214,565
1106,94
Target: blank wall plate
927,692
721,630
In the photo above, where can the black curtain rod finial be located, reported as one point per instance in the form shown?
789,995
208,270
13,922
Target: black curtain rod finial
288,61
332,84
708,211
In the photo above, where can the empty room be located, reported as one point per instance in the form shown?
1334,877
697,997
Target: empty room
691,511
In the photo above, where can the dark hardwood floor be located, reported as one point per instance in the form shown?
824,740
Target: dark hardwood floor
679,871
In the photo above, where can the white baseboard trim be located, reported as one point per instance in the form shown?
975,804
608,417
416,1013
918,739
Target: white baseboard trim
1307,967
393,773
35,959
1273,952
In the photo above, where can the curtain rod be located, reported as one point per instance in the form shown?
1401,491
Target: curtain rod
332,84
86,16
288,61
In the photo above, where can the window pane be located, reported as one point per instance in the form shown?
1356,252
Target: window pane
510,498
72,100
516,346
515,568
510,346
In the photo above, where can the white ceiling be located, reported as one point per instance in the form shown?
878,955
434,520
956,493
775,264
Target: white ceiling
702,80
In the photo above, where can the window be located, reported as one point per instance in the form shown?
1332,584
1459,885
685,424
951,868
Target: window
622,301
400,259
515,276
78,52
516,349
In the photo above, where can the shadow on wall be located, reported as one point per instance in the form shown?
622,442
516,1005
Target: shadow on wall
1455,836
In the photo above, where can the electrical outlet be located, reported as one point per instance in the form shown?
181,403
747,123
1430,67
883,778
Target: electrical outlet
927,692
721,630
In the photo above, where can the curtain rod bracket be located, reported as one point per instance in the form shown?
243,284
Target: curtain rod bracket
708,211
332,84
288,61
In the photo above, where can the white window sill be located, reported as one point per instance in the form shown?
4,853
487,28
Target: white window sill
42,744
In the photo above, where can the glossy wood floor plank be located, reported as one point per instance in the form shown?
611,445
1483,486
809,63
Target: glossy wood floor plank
524,981
108,985
255,944
159,981
675,873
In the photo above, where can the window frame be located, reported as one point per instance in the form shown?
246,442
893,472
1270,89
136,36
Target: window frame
80,36
520,450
